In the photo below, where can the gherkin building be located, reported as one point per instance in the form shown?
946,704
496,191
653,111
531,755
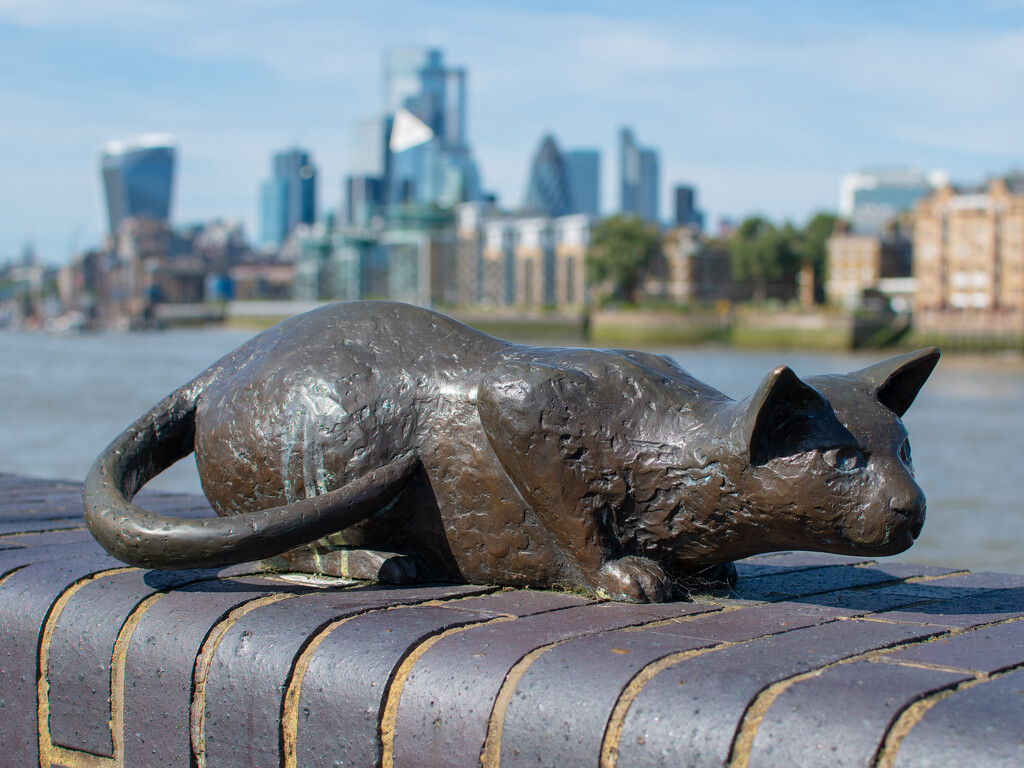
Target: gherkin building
548,192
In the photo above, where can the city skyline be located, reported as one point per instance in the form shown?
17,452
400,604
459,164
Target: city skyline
761,109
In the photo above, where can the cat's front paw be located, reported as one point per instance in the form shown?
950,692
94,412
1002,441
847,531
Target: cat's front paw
635,580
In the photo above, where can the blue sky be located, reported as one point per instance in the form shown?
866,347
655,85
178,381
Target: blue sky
763,106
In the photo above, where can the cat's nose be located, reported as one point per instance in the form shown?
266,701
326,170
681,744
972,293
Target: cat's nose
911,507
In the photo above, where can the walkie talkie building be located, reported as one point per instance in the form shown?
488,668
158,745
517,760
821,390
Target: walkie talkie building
138,176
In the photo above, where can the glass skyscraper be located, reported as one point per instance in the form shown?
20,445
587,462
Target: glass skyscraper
288,198
638,178
426,158
584,167
138,177
548,191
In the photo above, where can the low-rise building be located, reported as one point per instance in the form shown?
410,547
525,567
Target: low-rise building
969,260
856,263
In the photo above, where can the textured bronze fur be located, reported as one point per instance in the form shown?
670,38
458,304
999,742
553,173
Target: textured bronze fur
360,430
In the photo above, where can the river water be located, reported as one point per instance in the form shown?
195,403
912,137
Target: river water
62,398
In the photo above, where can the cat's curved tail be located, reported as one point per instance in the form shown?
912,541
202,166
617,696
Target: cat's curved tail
150,540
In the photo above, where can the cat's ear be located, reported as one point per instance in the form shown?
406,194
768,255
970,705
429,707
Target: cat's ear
897,381
779,415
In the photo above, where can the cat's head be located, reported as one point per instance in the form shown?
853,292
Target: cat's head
829,458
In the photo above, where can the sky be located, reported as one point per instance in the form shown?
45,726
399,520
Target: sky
762,106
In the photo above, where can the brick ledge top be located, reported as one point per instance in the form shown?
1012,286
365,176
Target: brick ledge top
811,660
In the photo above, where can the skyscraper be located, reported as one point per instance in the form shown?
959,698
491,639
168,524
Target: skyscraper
428,158
686,212
288,198
548,191
138,176
638,178
584,166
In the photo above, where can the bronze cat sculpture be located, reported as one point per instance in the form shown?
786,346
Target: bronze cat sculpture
381,440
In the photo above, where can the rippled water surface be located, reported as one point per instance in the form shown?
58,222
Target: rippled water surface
62,398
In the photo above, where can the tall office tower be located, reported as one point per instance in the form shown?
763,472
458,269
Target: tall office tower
686,207
289,196
364,186
638,178
548,191
872,197
584,166
428,159
138,176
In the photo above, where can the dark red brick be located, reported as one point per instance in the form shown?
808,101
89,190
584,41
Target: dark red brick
988,649
82,647
793,584
774,563
561,705
970,611
50,538
447,700
518,602
26,597
250,670
342,695
688,713
840,717
982,725
160,662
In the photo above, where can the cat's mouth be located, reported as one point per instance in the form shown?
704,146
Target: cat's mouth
914,519
902,528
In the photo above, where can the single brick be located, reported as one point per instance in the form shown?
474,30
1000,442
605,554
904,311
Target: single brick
49,538
982,725
447,700
859,602
40,525
520,602
773,563
983,580
12,559
688,713
901,570
25,600
342,693
970,611
988,650
793,584
754,621
841,716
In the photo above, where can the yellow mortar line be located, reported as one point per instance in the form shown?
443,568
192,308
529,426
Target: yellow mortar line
912,715
204,661
394,691
490,755
613,731
743,741
290,708
48,752
10,573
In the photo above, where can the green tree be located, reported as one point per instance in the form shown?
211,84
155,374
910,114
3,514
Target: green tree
761,254
621,247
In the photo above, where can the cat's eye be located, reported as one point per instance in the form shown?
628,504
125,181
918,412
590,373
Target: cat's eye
845,459
905,454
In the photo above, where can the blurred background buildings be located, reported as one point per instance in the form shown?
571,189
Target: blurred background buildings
416,224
